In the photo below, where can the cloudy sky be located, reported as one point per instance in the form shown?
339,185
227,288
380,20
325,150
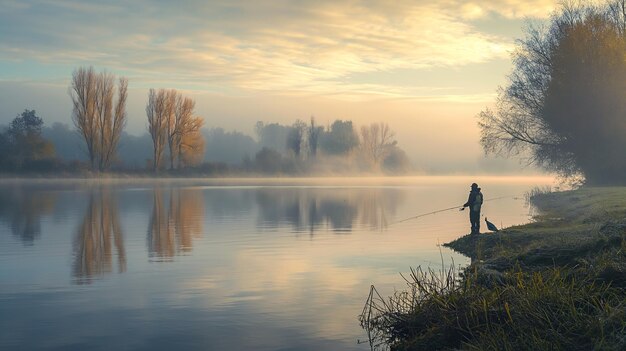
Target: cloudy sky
425,67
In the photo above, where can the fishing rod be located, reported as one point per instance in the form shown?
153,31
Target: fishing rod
450,208
426,214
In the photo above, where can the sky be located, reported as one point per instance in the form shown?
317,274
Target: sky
427,68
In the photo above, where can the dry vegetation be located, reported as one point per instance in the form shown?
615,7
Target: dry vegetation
558,283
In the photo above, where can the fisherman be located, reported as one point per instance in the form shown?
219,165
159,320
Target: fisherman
474,202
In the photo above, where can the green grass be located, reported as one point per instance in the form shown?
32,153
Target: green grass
558,284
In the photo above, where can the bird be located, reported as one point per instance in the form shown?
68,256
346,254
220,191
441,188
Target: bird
491,226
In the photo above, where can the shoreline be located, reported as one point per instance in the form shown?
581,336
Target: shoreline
340,178
556,283
567,223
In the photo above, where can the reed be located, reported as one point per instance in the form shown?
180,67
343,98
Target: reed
556,284
555,309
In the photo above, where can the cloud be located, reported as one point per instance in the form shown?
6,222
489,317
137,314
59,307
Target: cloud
512,9
304,47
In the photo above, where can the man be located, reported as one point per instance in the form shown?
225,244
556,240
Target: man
474,202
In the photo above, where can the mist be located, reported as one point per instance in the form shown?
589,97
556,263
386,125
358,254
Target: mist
419,126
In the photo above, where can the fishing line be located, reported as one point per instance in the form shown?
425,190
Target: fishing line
450,208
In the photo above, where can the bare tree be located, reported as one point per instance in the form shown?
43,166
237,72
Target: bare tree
157,124
99,121
377,140
172,124
184,133
83,93
111,119
172,133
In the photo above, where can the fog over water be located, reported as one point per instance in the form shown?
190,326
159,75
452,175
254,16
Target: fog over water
260,264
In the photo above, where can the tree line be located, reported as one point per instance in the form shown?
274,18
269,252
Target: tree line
563,109
335,148
176,141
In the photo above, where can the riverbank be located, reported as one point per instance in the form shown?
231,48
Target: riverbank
556,283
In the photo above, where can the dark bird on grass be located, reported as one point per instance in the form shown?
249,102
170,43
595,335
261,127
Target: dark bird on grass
491,226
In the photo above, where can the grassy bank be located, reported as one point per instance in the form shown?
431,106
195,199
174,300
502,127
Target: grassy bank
556,284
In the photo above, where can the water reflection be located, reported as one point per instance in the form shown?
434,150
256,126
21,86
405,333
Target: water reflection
313,209
96,235
21,208
177,218
255,254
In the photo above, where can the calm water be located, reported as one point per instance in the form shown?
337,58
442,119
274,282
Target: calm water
220,265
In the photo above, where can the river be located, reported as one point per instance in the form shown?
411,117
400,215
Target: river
222,264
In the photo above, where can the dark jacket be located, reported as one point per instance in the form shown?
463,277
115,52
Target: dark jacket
475,200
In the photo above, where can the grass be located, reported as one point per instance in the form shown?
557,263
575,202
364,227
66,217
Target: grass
558,283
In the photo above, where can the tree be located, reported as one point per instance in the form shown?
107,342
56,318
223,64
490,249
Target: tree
99,121
564,106
340,139
396,161
23,142
171,123
173,136
83,94
296,137
377,141
313,135
111,120
157,111
184,135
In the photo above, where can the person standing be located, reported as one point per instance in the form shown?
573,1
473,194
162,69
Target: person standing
474,202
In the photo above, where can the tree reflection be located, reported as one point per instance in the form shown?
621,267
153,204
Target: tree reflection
374,205
99,231
173,226
339,209
22,207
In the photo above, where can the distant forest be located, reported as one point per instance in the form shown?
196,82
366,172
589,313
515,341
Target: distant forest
175,141
28,145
